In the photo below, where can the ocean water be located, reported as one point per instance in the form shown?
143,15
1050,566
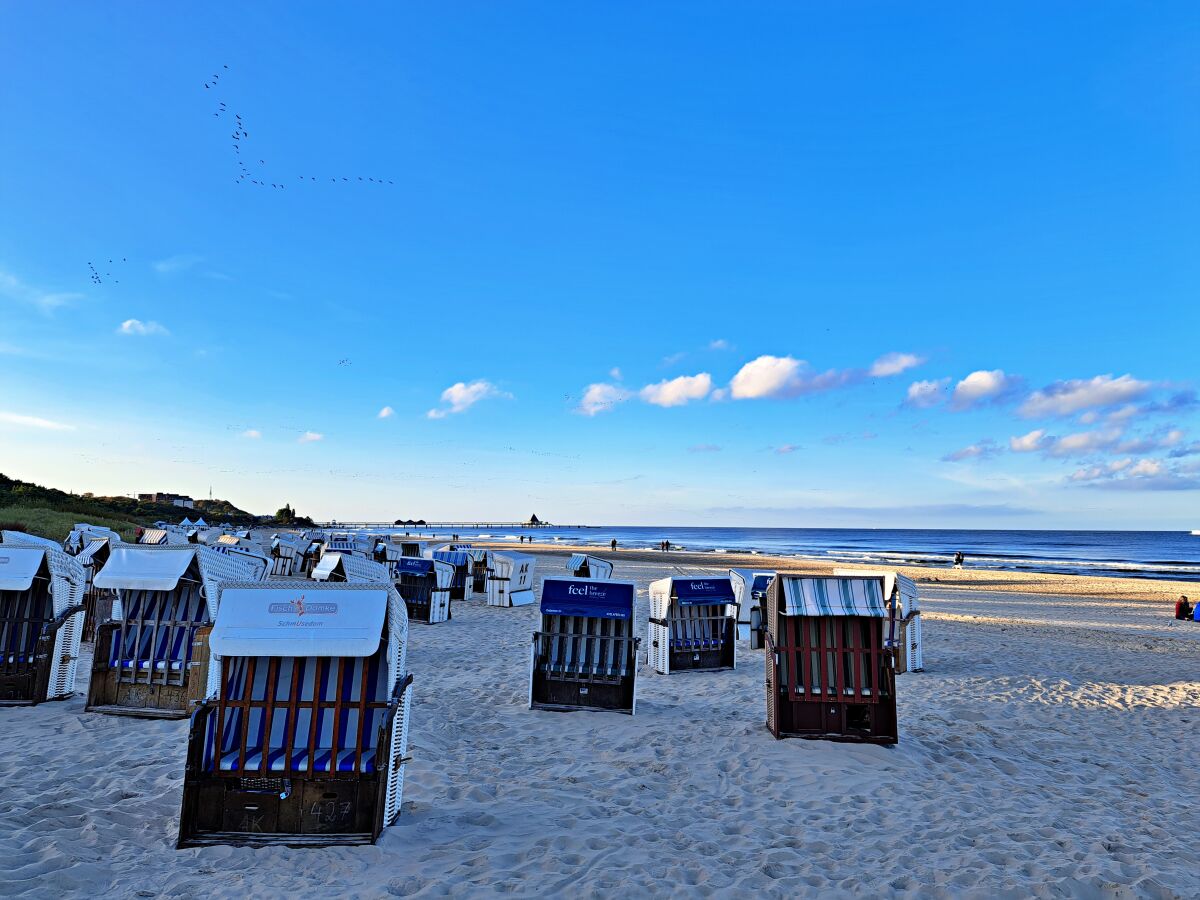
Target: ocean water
1133,554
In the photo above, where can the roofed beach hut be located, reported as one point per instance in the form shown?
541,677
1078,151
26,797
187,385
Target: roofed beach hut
510,581
829,670
582,565
901,592
301,737
41,622
147,657
584,656
425,586
693,624
346,567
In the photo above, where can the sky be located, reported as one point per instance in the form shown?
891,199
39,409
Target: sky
763,264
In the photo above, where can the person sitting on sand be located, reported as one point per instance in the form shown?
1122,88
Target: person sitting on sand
1183,609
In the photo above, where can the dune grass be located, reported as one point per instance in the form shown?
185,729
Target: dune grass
56,524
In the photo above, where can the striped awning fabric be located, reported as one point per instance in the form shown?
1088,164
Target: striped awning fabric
832,596
153,536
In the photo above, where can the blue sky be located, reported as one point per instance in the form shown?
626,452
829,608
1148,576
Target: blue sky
745,264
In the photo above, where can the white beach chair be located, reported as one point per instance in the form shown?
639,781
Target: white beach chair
510,582
693,624
41,622
901,591
301,738
146,656
425,586
336,566
581,565
750,589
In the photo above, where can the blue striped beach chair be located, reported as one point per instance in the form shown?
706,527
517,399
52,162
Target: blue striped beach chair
301,740
150,658
41,621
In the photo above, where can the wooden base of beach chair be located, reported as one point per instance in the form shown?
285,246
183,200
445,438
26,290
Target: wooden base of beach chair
566,695
141,694
292,812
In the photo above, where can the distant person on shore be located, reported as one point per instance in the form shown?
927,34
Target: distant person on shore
614,545
667,546
1183,609
958,559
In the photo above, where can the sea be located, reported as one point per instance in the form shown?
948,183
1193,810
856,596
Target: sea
1169,555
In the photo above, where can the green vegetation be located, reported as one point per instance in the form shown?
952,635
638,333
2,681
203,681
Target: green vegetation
56,524
40,508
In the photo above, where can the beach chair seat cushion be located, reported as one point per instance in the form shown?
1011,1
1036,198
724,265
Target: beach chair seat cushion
339,727
299,761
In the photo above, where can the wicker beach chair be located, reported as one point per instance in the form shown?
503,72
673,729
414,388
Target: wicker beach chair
750,590
301,739
584,656
336,567
482,567
461,561
41,621
829,672
693,624
147,655
510,582
581,565
425,586
906,633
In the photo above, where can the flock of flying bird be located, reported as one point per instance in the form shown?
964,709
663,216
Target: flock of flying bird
95,276
246,175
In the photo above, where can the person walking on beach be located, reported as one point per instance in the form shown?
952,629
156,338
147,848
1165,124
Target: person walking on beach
958,559
614,545
667,546
1183,609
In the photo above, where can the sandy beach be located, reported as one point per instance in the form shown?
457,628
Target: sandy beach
1042,753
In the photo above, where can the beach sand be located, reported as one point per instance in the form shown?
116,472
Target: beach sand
1042,753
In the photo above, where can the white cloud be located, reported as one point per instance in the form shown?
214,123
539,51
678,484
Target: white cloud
310,437
386,413
767,376
252,433
173,264
1084,442
462,396
1028,443
614,373
1142,475
924,394
600,397
894,364
138,327
19,420
673,358
980,387
980,450
788,448
678,391
1065,398
719,344
13,288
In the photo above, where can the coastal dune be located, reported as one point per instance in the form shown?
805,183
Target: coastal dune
1044,752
